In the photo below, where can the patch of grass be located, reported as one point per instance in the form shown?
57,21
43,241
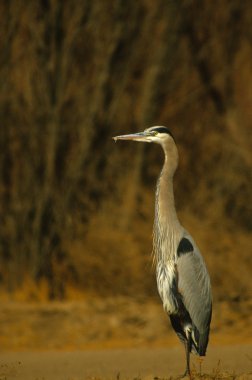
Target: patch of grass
217,374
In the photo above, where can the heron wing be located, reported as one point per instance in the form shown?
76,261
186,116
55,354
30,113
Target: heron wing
194,288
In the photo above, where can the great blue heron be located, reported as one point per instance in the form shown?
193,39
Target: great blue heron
182,278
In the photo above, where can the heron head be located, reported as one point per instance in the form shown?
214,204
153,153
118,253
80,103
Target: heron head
157,134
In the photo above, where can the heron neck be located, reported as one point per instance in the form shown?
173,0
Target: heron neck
165,196
167,229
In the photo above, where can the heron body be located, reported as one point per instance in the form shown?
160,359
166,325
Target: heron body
182,279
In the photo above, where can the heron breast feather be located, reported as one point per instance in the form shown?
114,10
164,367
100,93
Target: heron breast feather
167,285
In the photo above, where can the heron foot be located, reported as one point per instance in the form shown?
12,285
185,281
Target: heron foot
186,374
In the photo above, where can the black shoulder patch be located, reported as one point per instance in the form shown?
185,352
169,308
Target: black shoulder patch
185,246
164,130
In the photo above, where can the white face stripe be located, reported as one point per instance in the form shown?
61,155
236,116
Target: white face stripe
160,130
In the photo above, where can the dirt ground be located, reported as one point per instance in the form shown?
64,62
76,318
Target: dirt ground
116,338
138,363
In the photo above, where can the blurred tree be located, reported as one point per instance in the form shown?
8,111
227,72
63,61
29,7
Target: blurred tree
72,75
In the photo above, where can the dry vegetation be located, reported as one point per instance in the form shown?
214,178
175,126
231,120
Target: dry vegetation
76,210
216,374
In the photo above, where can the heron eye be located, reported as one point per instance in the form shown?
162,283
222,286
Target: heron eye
154,133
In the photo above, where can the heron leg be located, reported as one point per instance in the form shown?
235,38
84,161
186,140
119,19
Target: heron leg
187,351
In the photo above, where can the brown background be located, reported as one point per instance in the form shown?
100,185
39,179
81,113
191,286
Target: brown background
77,209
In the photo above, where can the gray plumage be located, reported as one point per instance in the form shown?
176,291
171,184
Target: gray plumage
182,278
